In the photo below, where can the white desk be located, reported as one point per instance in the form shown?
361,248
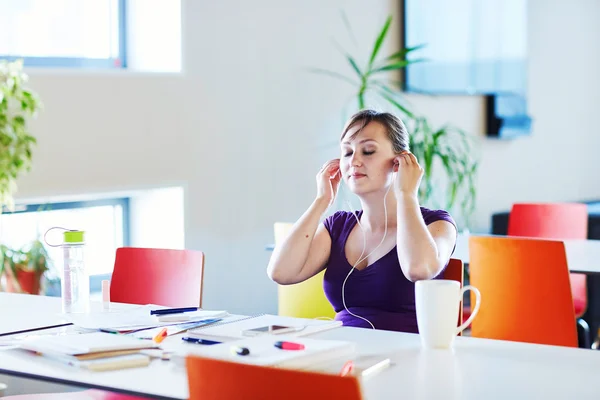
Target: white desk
475,369
12,319
582,255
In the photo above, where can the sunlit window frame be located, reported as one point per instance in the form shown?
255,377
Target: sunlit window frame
95,280
82,62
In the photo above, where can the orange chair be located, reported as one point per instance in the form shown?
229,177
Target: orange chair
455,272
556,221
145,276
525,290
210,379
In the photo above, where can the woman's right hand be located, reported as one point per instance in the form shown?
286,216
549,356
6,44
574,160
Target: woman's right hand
328,181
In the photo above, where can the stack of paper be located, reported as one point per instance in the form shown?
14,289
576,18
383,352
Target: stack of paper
97,351
133,319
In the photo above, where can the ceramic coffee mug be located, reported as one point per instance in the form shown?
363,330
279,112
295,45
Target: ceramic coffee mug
437,303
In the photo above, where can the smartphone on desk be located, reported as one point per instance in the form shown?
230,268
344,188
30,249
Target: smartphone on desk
270,330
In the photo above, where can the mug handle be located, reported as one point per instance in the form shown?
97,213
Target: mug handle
475,310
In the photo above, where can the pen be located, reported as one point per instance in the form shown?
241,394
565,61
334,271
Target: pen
198,341
173,310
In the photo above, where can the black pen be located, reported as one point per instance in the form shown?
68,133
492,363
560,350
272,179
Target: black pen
173,310
198,341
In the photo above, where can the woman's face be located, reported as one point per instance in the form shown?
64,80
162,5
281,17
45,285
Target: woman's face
367,158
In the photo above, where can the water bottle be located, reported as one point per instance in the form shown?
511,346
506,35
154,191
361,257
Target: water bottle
75,285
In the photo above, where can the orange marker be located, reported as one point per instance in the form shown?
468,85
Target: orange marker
160,336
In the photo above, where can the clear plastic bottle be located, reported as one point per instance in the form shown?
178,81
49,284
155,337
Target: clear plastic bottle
75,286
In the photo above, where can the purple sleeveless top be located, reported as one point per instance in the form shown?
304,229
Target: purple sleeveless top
380,293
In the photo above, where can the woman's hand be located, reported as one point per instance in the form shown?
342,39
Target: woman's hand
328,181
409,174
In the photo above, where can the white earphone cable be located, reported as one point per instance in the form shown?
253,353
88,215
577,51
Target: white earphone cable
361,258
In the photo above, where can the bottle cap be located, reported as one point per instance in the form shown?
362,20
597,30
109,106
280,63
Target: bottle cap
73,236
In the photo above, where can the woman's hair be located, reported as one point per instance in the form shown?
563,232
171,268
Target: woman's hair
394,127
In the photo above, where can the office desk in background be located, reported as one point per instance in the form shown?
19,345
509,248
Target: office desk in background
583,256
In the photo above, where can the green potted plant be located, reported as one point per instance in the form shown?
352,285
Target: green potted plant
18,106
25,268
446,153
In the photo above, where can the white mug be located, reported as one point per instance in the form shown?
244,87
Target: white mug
437,303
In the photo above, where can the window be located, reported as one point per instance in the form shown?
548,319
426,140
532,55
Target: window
67,33
105,222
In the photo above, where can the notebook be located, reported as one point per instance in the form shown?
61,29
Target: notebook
231,328
97,351
104,364
85,344
262,351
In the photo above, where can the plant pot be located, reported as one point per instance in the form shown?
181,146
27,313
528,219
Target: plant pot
29,281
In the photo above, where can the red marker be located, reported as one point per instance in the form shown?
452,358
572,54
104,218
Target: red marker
289,346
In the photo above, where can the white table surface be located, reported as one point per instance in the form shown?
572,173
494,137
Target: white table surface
582,255
474,369
42,311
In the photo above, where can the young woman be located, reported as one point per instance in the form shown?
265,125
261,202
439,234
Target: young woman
373,256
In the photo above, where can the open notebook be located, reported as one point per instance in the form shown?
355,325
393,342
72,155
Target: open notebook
231,327
262,351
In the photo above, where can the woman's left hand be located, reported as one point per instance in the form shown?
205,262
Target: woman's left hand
409,174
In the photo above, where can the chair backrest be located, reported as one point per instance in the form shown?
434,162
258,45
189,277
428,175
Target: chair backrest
305,299
210,379
554,221
455,271
549,220
525,291
165,277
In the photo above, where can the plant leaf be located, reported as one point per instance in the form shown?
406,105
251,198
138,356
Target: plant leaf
390,97
380,40
395,66
399,106
348,26
402,53
354,65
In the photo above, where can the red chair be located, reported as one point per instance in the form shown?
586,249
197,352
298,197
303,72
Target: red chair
171,278
165,277
555,221
455,271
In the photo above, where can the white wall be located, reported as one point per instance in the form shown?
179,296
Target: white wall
245,128
157,218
